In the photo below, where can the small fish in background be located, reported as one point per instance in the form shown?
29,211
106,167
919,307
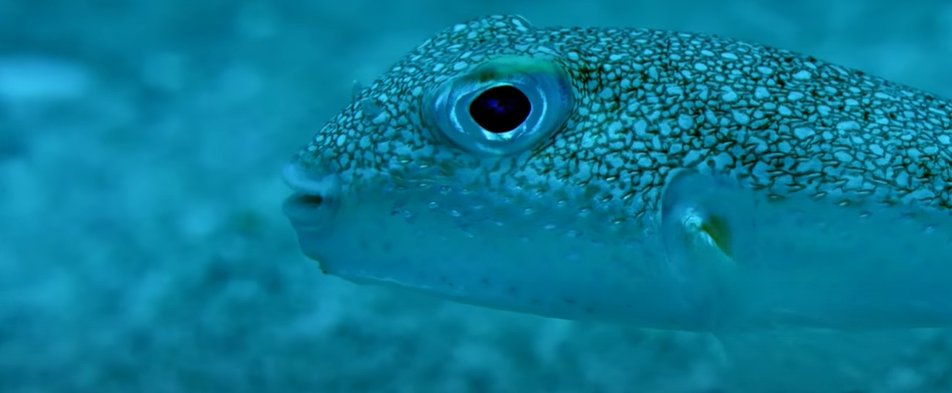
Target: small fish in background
797,210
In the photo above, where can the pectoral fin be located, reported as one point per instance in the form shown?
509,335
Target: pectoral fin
785,299
703,221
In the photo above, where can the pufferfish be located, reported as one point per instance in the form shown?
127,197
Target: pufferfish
650,178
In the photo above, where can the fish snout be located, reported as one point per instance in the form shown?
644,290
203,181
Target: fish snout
316,198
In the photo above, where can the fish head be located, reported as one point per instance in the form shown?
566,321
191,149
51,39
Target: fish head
483,168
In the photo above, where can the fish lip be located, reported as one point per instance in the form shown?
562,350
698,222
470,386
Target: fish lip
307,182
315,199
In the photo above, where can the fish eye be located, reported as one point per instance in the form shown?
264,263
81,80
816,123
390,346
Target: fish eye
500,109
503,106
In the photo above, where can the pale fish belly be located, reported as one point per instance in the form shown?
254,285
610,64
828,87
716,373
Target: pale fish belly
756,261
535,257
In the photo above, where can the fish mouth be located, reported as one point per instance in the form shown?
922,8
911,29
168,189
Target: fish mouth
315,200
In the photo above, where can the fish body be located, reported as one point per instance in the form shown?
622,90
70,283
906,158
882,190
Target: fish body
653,178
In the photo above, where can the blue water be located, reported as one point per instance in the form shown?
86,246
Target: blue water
142,247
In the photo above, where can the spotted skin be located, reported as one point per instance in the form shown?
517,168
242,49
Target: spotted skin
573,227
651,101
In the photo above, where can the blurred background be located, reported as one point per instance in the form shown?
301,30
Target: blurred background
142,246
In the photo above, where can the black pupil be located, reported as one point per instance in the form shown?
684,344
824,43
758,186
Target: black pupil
500,109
